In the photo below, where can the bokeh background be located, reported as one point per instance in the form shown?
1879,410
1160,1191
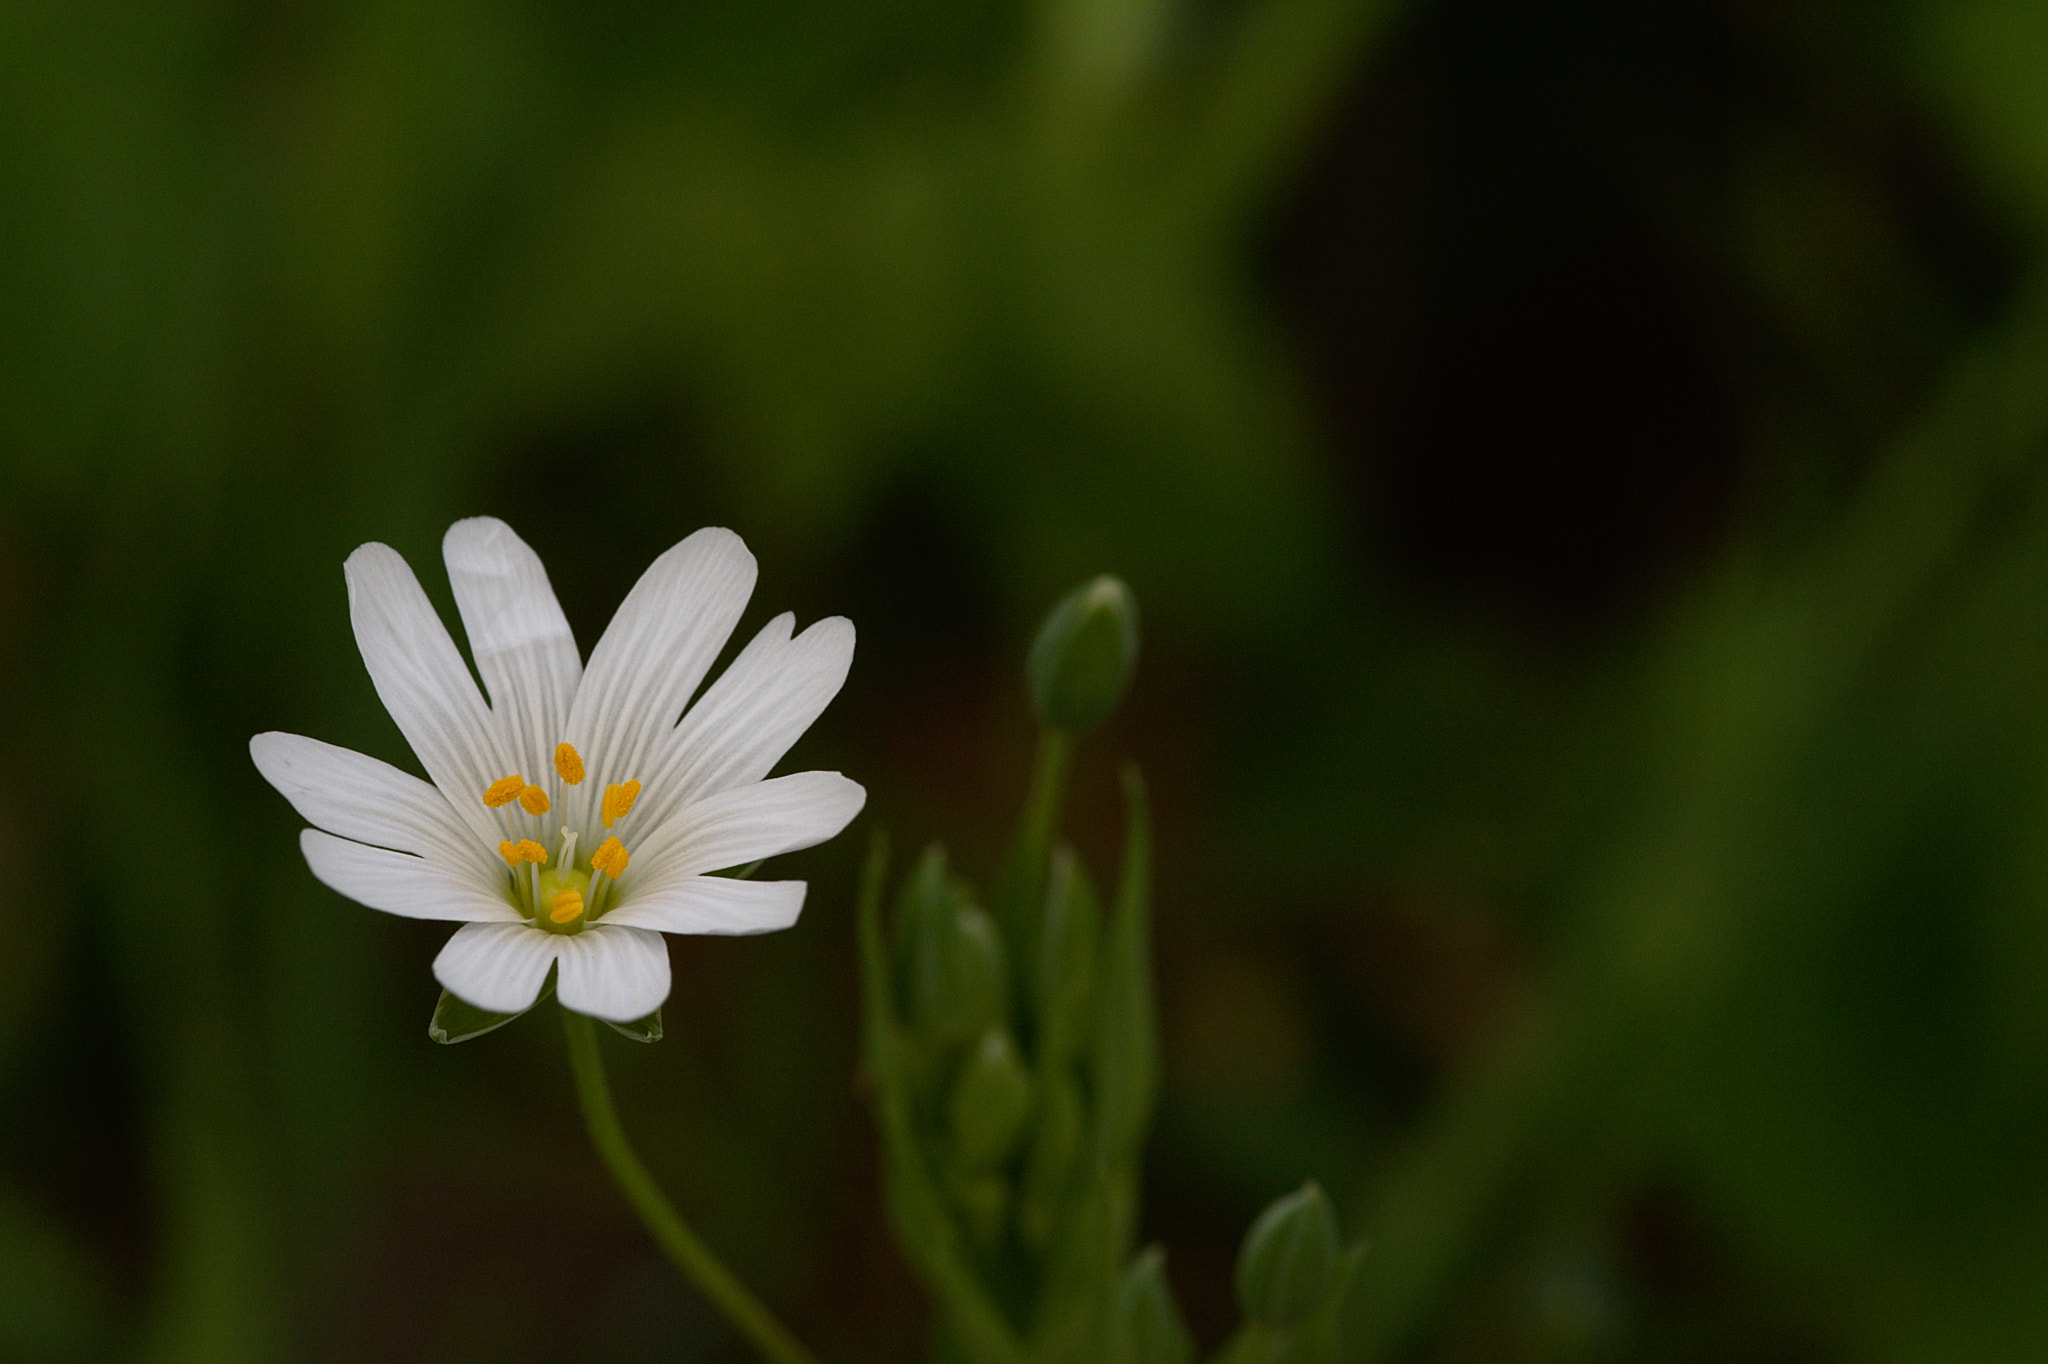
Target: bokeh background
1584,467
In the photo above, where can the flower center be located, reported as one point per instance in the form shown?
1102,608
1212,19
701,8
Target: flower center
557,894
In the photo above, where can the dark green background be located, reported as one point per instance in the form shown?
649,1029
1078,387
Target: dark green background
1581,465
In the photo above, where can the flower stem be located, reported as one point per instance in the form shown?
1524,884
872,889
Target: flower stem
1042,803
689,1254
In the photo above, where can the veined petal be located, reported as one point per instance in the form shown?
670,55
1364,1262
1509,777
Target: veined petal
656,650
399,883
517,634
747,719
498,968
710,904
614,973
360,798
731,828
423,681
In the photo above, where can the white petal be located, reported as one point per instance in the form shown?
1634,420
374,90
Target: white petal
424,683
517,634
747,719
498,968
613,973
732,828
360,798
399,883
655,652
711,904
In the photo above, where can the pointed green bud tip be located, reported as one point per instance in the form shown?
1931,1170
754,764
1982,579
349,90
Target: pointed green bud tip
1082,659
1290,1259
955,979
990,1101
1148,1324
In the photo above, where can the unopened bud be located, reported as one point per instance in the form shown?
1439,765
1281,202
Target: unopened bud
1082,659
954,976
990,1101
1290,1259
1148,1326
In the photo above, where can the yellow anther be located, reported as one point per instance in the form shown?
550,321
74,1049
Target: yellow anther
618,802
611,857
569,763
534,801
504,790
525,850
564,905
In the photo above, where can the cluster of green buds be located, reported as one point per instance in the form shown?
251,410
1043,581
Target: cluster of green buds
1012,1046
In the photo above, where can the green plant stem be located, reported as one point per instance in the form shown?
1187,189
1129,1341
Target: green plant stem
1042,803
689,1254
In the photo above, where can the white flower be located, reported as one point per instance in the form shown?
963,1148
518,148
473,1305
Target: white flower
574,819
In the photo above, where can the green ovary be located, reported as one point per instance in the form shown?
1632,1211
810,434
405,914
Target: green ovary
564,902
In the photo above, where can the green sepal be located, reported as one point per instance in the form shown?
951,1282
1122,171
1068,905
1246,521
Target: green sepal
455,1021
646,1029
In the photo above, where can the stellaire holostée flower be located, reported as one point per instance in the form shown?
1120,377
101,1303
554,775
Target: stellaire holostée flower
575,818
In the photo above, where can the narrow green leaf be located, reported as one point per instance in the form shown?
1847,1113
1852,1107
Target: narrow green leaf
1125,1061
1064,979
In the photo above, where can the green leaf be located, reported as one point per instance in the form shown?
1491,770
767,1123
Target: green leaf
1065,977
646,1029
1125,1055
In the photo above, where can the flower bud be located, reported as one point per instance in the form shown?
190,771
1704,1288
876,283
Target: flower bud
954,982
1049,1167
1290,1259
1148,1328
990,1101
1082,659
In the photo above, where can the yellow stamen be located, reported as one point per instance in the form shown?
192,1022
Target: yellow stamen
504,790
569,763
618,802
510,852
564,905
530,851
611,857
534,801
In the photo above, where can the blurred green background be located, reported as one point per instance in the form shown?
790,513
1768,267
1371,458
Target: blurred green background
1582,467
